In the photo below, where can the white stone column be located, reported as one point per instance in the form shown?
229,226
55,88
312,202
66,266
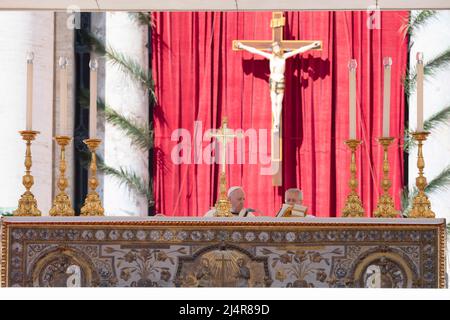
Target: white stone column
21,32
129,98
432,39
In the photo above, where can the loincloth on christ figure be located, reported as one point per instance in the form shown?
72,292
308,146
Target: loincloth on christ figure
277,86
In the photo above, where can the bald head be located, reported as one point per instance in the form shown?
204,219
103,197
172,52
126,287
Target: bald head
236,195
293,197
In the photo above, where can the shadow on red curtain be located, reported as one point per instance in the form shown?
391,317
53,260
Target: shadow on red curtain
199,79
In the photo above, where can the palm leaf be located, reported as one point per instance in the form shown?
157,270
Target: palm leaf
124,177
141,135
431,68
438,119
419,20
127,178
142,18
440,183
441,118
126,64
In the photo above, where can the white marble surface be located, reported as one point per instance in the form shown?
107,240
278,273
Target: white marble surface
128,97
432,39
336,221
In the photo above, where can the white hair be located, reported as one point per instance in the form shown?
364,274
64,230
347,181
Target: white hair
233,189
294,190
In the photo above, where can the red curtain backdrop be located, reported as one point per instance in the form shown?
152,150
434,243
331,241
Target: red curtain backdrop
199,78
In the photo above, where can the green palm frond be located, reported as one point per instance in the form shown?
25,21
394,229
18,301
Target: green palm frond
438,119
141,135
440,183
407,201
418,20
124,177
132,68
142,18
127,65
431,68
409,142
441,118
128,178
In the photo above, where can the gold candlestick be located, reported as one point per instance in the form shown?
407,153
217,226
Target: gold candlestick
385,207
93,205
421,205
353,206
223,205
27,203
62,205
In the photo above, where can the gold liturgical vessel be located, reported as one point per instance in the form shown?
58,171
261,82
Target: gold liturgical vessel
62,206
421,204
93,205
27,203
353,206
385,207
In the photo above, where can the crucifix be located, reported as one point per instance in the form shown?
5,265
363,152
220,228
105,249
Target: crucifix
277,51
224,136
223,260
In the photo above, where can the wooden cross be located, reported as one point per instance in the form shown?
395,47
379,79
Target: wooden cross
277,24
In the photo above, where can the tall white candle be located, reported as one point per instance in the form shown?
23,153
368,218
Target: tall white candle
29,124
63,96
352,98
93,64
420,76
387,62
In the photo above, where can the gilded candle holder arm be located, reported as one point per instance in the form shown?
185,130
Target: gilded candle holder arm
93,205
62,205
421,204
353,206
385,206
28,204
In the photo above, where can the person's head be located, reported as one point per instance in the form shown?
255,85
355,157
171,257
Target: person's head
236,195
205,262
241,262
276,48
293,196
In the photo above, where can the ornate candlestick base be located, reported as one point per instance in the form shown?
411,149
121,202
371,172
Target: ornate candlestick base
223,205
385,207
421,205
27,203
93,205
353,206
62,206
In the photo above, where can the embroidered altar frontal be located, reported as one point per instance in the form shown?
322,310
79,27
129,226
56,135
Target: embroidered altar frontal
257,252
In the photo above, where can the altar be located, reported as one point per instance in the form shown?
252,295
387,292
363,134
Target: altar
213,252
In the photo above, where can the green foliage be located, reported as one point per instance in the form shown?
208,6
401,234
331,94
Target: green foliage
142,18
141,135
432,124
129,179
440,183
126,64
431,68
419,20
